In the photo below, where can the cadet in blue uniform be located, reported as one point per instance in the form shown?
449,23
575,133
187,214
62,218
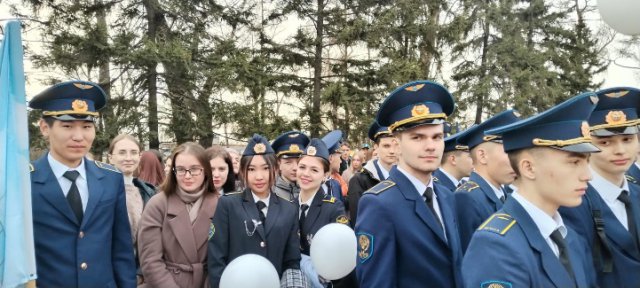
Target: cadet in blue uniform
456,164
375,170
633,174
525,243
316,209
610,211
288,148
255,220
483,195
333,186
406,229
80,223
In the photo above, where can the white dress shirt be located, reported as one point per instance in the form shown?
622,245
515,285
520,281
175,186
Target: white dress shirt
421,188
65,184
545,223
609,193
265,200
455,181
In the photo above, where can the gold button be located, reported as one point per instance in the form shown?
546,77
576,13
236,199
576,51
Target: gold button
81,235
83,266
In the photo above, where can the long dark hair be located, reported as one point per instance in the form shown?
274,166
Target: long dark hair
271,162
171,182
218,151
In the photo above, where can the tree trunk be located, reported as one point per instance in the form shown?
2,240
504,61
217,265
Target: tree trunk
316,120
153,17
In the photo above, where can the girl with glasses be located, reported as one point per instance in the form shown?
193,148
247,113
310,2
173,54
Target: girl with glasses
175,224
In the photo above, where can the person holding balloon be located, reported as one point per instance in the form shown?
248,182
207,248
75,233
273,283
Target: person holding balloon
256,220
316,209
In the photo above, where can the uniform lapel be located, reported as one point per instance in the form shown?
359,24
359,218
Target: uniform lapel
576,262
96,189
273,212
314,211
181,226
487,190
550,262
46,184
251,213
409,191
616,232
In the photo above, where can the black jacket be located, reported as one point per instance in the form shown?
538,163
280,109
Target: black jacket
358,184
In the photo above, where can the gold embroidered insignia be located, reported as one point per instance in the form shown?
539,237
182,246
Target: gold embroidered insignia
419,110
79,106
83,86
615,117
414,88
311,151
342,219
585,130
617,94
294,148
259,148
365,246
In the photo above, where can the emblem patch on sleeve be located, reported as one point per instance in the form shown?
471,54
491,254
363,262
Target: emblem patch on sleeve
495,284
342,219
212,230
365,246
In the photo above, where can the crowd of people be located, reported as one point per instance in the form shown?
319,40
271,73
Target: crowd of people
546,201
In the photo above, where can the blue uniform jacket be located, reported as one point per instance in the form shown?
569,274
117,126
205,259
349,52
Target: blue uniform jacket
443,180
234,234
323,210
475,202
624,252
400,243
332,188
95,253
508,250
633,174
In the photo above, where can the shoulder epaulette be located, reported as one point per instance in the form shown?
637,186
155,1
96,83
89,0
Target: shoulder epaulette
31,168
435,178
232,193
468,186
380,187
631,179
329,200
106,166
498,223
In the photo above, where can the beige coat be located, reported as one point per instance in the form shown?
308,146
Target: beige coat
172,251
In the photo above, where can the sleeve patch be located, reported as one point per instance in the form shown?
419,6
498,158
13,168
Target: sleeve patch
498,223
495,284
467,186
365,246
380,187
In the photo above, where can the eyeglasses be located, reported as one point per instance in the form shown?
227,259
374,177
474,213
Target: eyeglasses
194,171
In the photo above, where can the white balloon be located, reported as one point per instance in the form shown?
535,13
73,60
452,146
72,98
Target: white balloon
334,251
621,15
250,271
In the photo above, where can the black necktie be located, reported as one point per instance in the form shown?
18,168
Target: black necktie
631,223
304,245
261,206
73,196
428,195
557,238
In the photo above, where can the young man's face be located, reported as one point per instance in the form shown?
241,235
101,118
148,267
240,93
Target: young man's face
618,154
69,141
463,162
561,177
386,148
498,166
288,168
344,149
421,148
334,162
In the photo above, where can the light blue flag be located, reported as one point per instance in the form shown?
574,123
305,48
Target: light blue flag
17,257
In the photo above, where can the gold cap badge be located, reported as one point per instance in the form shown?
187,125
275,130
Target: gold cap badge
294,148
419,110
79,106
83,86
311,151
615,117
617,94
414,88
259,148
585,130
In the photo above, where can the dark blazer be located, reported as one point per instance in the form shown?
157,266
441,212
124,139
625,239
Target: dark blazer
146,190
360,182
323,210
443,180
95,253
625,253
400,242
234,234
510,251
475,202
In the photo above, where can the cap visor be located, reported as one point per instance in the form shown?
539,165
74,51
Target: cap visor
68,117
628,130
579,148
421,123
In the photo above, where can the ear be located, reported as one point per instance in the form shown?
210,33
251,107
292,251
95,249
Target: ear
452,159
482,155
527,166
44,128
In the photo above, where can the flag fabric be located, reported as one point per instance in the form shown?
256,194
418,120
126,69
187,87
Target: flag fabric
17,256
